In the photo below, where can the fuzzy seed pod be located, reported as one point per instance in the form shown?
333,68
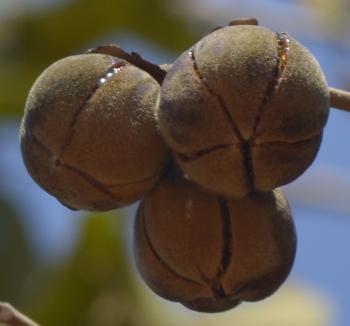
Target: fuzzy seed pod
89,135
210,253
244,110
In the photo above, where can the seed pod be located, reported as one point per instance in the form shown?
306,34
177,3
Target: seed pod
89,135
244,110
210,253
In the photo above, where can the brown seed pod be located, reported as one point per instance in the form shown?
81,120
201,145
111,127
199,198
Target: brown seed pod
210,253
89,135
244,110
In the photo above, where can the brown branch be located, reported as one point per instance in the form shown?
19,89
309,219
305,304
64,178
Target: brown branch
11,317
340,99
134,58
244,21
239,21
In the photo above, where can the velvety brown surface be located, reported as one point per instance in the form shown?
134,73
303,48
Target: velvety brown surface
222,168
281,162
210,253
247,87
190,117
89,138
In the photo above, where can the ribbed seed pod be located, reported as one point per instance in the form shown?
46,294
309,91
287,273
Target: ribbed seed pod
210,253
244,110
89,135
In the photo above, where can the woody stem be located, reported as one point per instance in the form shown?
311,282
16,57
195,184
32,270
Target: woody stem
340,99
12,317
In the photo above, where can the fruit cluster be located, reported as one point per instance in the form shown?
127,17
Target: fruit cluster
204,142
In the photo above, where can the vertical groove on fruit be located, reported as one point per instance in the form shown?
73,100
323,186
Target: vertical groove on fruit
116,64
156,254
218,97
226,235
244,144
282,49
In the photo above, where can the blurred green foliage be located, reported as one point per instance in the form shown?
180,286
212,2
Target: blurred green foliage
16,263
29,43
95,286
